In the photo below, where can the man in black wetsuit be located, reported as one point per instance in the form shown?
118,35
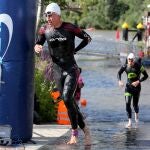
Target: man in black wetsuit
133,70
60,37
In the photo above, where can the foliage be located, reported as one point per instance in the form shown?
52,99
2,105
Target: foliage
102,14
47,110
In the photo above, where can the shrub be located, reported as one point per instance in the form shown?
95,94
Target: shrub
47,110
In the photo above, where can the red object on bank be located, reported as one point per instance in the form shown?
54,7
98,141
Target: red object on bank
117,35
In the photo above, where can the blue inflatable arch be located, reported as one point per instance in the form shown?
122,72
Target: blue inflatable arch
17,31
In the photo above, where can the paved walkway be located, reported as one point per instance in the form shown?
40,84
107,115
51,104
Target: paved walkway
105,136
42,135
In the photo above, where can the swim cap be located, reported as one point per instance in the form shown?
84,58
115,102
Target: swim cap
131,56
53,7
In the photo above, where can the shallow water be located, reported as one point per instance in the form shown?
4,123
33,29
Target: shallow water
106,108
103,94
107,136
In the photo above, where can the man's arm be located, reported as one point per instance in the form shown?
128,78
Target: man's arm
40,40
122,69
85,39
145,75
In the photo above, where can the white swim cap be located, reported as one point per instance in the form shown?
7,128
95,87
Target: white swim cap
53,7
131,56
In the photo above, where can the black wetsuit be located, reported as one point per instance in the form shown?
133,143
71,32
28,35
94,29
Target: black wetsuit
61,43
133,74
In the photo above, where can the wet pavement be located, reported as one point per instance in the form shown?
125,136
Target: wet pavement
107,136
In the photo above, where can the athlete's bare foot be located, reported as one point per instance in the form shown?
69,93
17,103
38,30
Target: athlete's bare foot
73,140
74,137
136,118
87,136
129,125
136,121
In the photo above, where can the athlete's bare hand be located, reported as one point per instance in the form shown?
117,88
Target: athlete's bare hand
136,83
121,84
38,48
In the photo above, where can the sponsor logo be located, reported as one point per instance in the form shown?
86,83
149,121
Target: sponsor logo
6,19
57,39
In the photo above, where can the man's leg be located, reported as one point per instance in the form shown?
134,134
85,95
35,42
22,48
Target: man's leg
69,88
74,114
84,127
136,107
128,110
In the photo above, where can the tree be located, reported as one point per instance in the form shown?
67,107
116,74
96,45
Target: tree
101,14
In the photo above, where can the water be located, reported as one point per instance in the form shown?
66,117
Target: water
99,40
106,107
105,43
105,111
102,91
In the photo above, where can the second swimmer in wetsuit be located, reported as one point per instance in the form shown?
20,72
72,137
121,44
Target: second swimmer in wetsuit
133,70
